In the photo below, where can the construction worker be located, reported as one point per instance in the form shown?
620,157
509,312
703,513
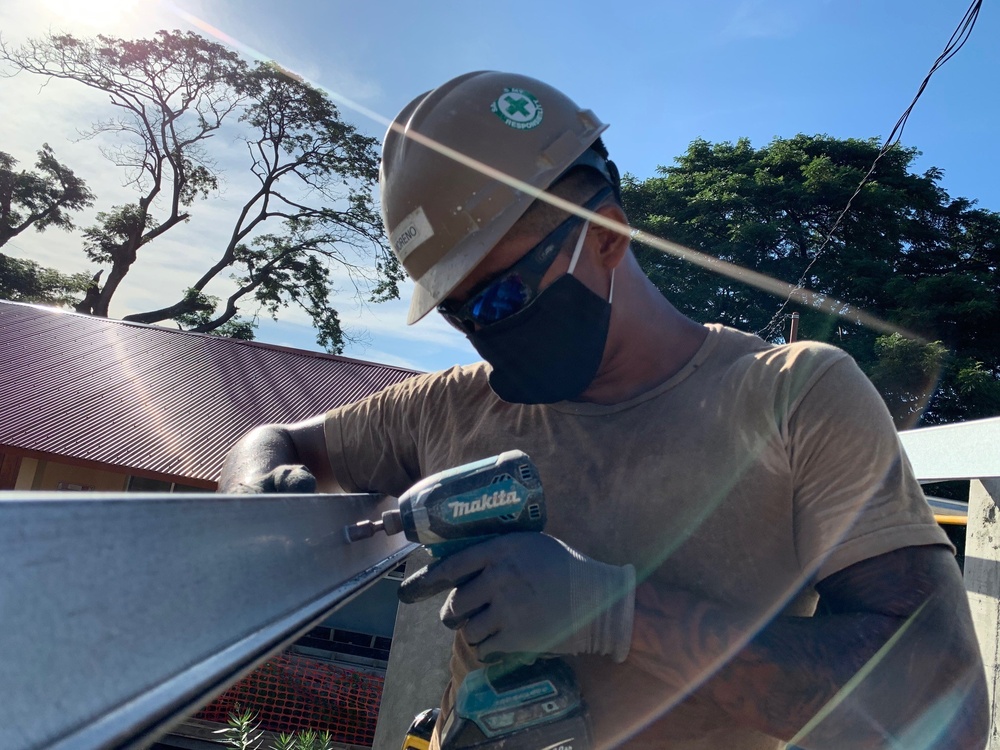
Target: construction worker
705,488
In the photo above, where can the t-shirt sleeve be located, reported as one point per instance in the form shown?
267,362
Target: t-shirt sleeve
372,443
856,496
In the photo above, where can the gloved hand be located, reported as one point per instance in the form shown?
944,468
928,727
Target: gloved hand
291,478
530,593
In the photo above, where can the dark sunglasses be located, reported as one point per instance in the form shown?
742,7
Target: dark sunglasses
517,287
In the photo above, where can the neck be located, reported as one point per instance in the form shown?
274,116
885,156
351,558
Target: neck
649,340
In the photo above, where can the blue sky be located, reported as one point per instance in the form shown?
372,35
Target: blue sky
662,74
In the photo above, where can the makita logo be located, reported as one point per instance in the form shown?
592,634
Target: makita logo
498,499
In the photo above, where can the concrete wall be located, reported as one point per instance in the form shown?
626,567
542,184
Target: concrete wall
418,665
982,580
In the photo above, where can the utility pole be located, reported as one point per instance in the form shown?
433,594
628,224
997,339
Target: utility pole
793,335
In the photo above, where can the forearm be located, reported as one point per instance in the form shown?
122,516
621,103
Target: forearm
271,446
798,671
257,452
853,680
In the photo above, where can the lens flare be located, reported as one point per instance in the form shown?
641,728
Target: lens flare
99,14
782,290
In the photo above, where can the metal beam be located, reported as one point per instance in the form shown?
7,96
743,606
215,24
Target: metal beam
121,613
966,450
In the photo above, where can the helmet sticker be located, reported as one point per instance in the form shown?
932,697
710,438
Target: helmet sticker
410,233
518,109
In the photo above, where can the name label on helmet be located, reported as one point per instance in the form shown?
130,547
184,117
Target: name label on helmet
410,233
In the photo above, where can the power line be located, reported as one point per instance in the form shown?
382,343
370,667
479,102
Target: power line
958,39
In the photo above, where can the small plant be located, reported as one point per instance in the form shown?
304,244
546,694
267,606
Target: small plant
244,733
307,739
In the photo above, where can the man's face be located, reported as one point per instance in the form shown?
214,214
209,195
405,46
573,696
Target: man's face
506,281
526,260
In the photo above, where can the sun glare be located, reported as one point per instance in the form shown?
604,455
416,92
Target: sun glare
92,13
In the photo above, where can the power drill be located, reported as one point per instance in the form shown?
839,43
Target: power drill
512,704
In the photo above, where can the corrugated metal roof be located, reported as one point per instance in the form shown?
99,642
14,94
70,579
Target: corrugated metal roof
152,399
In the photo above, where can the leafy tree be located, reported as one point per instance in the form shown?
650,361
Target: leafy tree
27,281
39,199
311,209
905,251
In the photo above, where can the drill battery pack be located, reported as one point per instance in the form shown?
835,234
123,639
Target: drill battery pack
528,707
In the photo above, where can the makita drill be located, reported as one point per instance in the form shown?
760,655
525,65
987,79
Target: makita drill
512,705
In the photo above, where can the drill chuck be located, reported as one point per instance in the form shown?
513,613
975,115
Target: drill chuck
391,523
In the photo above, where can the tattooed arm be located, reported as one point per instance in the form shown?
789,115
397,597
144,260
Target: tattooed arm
892,661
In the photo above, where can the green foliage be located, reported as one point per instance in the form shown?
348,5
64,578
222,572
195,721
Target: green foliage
115,229
243,730
42,198
289,268
906,252
27,281
906,373
201,307
310,215
243,733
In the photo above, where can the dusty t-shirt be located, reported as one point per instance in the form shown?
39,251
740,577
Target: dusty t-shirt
750,474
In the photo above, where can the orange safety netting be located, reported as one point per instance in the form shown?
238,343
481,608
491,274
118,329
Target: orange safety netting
290,693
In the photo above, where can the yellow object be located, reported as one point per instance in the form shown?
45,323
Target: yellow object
418,736
415,743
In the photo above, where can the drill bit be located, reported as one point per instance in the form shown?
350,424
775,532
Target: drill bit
390,523
363,530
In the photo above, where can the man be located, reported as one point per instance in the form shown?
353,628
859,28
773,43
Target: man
704,488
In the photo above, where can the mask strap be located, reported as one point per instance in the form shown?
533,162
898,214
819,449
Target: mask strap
576,257
578,248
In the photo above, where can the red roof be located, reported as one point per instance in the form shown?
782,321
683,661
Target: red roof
153,400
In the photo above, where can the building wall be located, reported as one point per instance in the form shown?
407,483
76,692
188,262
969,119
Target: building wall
51,475
10,467
26,474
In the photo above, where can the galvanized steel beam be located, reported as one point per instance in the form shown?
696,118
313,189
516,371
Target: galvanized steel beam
966,450
121,613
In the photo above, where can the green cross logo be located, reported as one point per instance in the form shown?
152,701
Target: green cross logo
517,106
519,109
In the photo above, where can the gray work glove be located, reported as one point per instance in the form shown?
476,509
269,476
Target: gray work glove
530,593
288,478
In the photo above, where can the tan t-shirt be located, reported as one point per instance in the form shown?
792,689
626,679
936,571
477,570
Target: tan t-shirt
750,474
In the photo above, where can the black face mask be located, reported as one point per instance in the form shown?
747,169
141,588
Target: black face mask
551,350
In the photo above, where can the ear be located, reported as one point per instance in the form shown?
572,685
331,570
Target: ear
614,241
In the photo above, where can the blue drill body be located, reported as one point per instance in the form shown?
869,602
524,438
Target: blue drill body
517,704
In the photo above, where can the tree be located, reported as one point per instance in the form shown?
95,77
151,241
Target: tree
905,251
39,199
313,176
27,281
